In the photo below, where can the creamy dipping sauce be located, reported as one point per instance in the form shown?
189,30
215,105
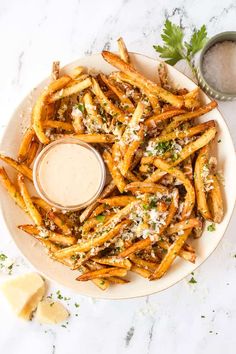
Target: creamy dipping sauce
69,174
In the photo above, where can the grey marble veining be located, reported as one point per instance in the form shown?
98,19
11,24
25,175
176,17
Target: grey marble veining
187,318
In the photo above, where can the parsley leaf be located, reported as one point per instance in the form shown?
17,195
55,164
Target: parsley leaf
100,217
211,227
3,257
81,107
175,49
192,281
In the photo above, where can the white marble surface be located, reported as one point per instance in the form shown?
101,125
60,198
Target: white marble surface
187,318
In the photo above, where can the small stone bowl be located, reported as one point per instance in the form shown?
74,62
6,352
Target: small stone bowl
222,96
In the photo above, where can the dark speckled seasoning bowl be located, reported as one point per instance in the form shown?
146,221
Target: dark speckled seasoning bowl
222,96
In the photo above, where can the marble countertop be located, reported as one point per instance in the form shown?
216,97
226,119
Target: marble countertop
187,318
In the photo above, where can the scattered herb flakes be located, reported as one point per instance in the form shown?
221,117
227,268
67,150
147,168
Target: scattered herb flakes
3,257
235,256
59,296
210,331
202,316
211,227
52,303
219,141
77,305
100,218
64,326
192,281
81,107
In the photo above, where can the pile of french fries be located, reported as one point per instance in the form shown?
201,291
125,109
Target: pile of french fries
163,181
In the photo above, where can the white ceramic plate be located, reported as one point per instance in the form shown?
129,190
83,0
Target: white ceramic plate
138,286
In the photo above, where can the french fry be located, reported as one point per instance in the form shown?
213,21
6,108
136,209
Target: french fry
114,262
99,210
58,125
101,283
91,109
114,171
132,177
122,200
192,99
51,215
96,138
68,91
189,115
215,201
11,189
32,210
52,236
109,188
123,52
152,266
25,144
55,70
33,149
183,225
141,271
170,256
86,246
106,104
186,255
152,121
19,167
181,134
166,96
145,187
103,273
135,247
190,194
121,77
201,163
126,103
38,113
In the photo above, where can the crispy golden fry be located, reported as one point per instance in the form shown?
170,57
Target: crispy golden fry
32,210
114,60
106,104
190,148
189,115
114,262
22,168
163,75
38,112
55,237
78,124
55,70
11,189
91,109
192,99
101,283
152,121
110,187
152,266
181,134
99,210
170,256
25,144
123,52
91,223
103,273
201,168
114,171
117,280
190,194
96,138
132,177
85,246
135,247
33,149
71,90
121,200
52,216
125,164
145,187
141,271
58,125
186,255
77,72
215,201
183,225
121,77
126,103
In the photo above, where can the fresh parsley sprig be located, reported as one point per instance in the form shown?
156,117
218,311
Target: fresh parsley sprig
176,49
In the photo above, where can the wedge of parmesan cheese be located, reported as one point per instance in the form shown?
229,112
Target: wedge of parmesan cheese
23,293
51,312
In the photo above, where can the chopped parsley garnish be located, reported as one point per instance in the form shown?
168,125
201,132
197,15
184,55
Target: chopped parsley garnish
59,296
77,305
163,146
3,257
192,281
100,218
203,316
219,141
211,227
81,107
